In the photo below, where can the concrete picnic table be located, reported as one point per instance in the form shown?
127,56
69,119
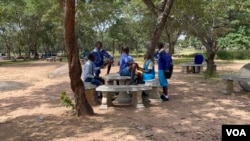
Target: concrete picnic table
111,78
189,66
229,78
135,89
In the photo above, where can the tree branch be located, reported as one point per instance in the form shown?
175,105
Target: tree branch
162,6
151,7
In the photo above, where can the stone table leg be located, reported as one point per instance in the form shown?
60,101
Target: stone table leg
90,95
197,69
154,94
186,69
183,69
137,99
228,87
123,97
104,105
109,95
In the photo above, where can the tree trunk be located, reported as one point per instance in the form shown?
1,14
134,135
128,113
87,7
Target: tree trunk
75,70
19,51
8,47
211,48
113,48
136,47
210,62
171,47
161,21
8,51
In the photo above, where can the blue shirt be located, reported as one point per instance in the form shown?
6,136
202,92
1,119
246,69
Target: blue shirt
123,61
99,56
164,60
198,59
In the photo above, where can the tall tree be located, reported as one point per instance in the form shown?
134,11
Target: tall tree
208,21
75,70
162,13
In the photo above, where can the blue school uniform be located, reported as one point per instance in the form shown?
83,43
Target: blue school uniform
151,74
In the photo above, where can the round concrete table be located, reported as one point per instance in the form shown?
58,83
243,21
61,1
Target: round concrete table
245,72
111,78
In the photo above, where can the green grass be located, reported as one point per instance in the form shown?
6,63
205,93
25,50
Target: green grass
177,61
10,62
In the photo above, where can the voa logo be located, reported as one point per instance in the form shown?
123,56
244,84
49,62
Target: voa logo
236,132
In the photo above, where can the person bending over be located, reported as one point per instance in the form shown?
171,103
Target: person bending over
127,65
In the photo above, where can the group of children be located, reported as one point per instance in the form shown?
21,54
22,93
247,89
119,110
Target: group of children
128,67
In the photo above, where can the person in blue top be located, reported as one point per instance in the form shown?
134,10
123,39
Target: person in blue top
148,70
164,63
127,66
99,54
156,54
88,72
198,59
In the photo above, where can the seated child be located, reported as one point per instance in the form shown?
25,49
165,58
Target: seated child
127,65
148,71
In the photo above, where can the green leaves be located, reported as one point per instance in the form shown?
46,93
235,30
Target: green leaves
66,101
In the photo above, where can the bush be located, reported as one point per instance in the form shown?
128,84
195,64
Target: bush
66,101
233,54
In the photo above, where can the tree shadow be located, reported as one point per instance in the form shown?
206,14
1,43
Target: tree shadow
196,111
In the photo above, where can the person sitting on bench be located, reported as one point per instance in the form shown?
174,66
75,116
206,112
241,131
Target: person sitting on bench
198,59
88,73
127,65
148,70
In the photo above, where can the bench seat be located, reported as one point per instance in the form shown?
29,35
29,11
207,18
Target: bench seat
90,93
188,67
154,93
136,91
229,78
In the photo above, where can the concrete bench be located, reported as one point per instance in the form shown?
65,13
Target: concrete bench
188,67
58,59
18,59
153,94
90,93
229,78
136,91
50,59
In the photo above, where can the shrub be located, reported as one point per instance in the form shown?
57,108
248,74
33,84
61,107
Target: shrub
66,101
233,54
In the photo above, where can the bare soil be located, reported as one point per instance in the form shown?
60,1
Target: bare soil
30,109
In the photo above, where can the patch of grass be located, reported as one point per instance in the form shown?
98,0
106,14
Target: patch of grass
233,54
66,101
177,61
10,62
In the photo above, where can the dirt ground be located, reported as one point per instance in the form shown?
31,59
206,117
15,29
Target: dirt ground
30,109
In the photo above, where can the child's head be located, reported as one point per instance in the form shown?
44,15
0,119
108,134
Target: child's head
125,49
91,57
98,44
147,56
160,45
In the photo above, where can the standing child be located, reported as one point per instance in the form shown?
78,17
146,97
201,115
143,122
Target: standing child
164,63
